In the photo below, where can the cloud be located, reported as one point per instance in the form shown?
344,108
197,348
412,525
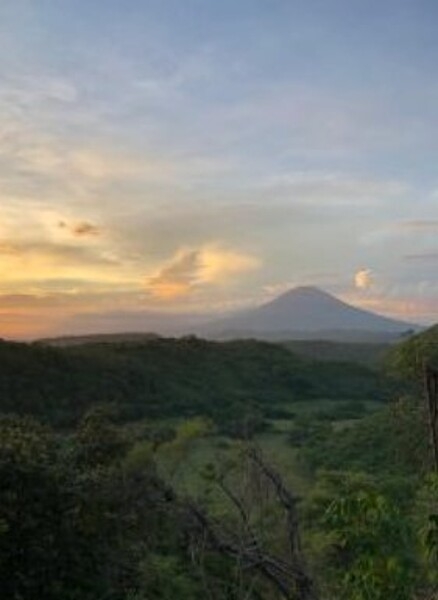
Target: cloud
81,229
35,159
363,279
191,269
178,277
37,90
219,265
85,229
39,266
410,295
335,188
425,225
409,308
8,249
426,256
61,254
41,312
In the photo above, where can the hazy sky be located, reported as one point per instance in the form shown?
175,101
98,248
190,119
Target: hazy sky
202,155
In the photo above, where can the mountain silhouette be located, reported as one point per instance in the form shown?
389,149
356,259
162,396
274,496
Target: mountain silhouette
307,312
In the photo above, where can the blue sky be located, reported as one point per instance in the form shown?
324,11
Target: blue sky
203,156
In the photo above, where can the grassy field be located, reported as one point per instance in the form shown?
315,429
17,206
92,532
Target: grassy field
187,466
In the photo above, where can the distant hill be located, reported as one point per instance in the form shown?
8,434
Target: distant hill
303,313
368,353
97,338
164,377
308,313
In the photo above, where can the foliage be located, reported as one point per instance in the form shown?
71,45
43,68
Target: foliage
370,354
92,508
369,536
388,442
98,441
426,522
368,544
167,578
408,358
175,452
82,529
308,431
228,382
86,515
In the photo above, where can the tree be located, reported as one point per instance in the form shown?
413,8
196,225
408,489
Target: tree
369,544
244,539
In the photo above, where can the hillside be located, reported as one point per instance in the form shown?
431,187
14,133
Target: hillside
97,338
171,377
409,357
367,353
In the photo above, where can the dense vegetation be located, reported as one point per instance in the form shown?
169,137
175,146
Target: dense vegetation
369,353
167,469
411,357
171,378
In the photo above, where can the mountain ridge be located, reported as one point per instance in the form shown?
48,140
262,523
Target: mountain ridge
301,313
307,312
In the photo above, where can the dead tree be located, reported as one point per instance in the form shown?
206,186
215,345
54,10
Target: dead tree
430,377
288,575
302,582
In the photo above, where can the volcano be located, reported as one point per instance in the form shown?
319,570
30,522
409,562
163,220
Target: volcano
308,313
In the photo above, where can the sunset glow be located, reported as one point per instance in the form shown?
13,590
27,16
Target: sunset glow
188,156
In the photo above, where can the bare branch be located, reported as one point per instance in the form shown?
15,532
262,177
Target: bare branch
288,577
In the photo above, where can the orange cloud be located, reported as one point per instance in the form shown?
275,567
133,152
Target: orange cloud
219,264
408,308
8,249
189,270
177,278
37,313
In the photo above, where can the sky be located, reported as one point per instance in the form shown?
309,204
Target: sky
201,156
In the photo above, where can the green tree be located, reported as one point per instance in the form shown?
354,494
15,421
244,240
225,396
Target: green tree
369,544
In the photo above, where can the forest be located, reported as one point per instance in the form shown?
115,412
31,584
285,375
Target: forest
180,468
